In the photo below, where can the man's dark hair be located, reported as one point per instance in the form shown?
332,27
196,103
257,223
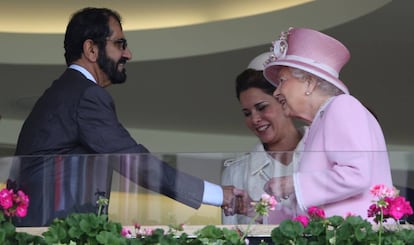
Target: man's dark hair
250,78
87,23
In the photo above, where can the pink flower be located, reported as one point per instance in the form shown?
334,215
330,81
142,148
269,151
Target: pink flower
265,204
398,207
137,228
304,220
21,211
125,232
14,204
382,191
8,212
373,210
6,198
148,231
269,201
388,205
21,198
316,212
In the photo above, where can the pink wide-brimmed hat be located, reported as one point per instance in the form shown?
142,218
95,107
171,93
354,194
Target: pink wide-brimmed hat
311,51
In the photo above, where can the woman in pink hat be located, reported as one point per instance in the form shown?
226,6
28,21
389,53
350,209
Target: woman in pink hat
344,151
273,155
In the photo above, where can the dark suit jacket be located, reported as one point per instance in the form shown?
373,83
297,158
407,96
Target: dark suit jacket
73,117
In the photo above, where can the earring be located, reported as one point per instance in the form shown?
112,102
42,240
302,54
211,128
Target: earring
307,93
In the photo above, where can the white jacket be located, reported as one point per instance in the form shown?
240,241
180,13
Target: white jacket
251,172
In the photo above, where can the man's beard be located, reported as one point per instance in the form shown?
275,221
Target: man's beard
110,68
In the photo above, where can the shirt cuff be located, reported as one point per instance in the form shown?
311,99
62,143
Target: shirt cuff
213,194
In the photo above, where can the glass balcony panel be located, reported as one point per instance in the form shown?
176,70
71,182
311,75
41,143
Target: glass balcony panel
60,185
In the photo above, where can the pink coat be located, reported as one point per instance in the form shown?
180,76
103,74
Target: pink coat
344,156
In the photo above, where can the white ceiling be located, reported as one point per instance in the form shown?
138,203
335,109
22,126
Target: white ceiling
50,16
183,78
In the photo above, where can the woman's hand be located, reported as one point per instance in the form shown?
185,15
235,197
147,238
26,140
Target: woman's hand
280,187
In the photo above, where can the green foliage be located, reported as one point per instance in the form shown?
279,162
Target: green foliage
289,232
213,235
91,229
86,228
9,236
158,236
337,230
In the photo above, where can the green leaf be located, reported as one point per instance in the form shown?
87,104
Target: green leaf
360,235
85,226
288,232
25,238
2,218
291,228
56,233
109,238
335,221
8,228
315,228
231,236
2,236
75,232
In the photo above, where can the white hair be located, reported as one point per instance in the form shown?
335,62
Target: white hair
323,85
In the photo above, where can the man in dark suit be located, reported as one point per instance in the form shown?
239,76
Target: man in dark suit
76,116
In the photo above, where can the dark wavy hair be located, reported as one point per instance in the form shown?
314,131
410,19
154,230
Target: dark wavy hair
88,23
251,78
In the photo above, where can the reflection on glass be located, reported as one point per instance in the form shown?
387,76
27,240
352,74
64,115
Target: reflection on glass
72,183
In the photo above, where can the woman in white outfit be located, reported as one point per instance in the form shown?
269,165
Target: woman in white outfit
273,155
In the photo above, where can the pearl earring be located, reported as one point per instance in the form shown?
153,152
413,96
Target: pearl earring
308,93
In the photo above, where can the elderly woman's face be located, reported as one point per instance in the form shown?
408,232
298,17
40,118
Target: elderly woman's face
290,92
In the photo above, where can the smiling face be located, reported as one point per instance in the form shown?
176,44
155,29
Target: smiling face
264,115
291,93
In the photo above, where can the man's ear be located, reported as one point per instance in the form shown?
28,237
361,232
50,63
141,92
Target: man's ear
90,50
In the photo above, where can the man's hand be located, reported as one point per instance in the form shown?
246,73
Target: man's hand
235,201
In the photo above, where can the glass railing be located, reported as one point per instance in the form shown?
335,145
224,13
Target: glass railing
60,185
